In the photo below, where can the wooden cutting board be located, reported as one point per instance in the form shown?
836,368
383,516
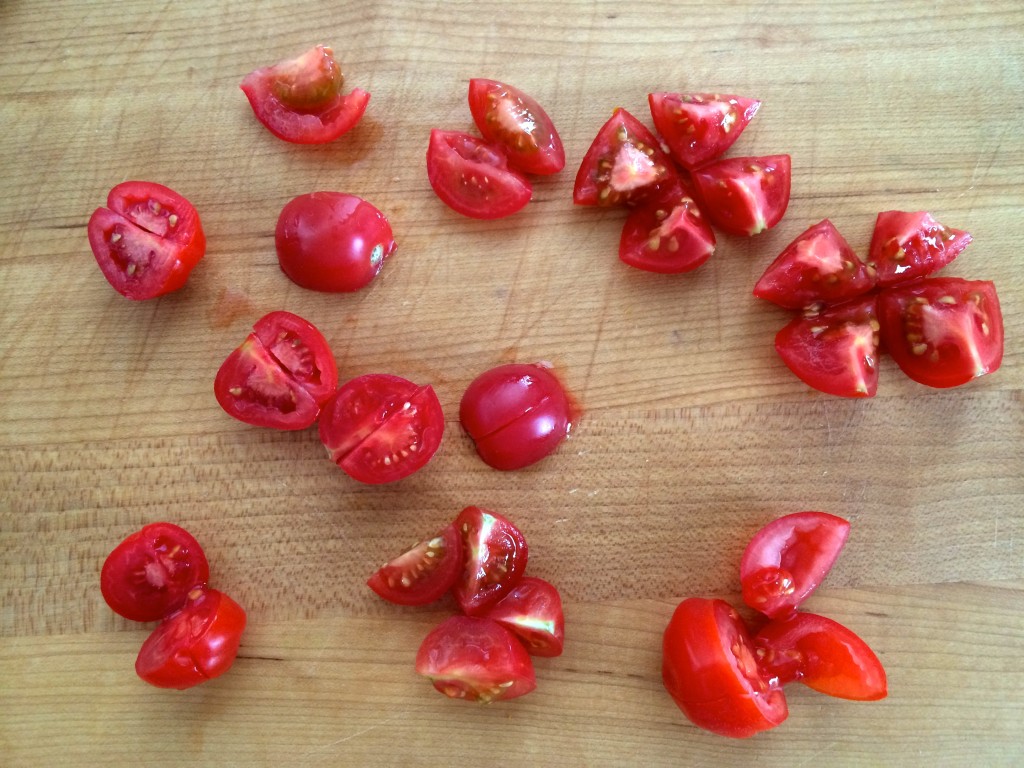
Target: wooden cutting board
693,433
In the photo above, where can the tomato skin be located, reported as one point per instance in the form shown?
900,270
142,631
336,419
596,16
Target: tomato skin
669,239
533,611
423,574
513,119
700,127
745,195
472,177
332,241
905,246
150,573
495,556
147,240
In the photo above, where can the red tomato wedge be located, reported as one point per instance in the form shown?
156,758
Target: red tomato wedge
788,558
710,669
300,100
533,611
943,331
495,556
423,574
472,177
905,246
670,238
147,240
700,127
745,195
512,119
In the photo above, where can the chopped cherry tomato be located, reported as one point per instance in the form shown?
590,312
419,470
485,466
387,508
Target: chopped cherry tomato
147,240
516,414
699,127
835,351
710,669
380,428
472,177
533,611
909,245
151,572
280,375
332,241
512,119
300,100
495,556
196,643
943,331
670,238
787,559
424,573
745,195
823,655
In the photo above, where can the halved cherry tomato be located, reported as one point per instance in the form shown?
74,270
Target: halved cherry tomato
669,238
495,556
380,428
533,611
196,643
909,245
332,241
512,119
477,660
788,558
151,572
745,195
279,376
300,100
424,573
710,669
823,655
943,331
699,127
472,177
147,240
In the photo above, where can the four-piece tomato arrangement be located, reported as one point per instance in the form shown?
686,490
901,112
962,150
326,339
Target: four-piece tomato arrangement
724,672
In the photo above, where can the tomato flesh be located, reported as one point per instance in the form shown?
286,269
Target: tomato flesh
905,246
494,559
472,177
423,574
512,119
700,127
533,611
670,238
745,195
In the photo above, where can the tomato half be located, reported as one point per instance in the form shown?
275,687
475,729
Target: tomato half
380,428
300,100
196,643
909,245
710,669
476,659
700,127
943,331
150,573
424,573
147,240
512,119
533,611
788,558
279,376
745,195
495,556
669,238
472,177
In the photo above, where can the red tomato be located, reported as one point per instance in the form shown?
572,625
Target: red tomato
477,660
380,428
835,351
909,245
823,655
943,331
331,241
472,177
512,119
787,559
147,240
699,127
533,611
280,375
151,572
196,643
300,100
424,573
495,556
745,195
710,669
817,269
671,238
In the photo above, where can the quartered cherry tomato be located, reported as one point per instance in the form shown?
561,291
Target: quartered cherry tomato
424,573
909,245
495,556
533,611
700,127
745,195
472,177
670,237
512,119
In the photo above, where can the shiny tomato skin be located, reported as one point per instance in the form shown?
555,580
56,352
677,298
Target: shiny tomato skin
424,573
332,241
700,127
149,574
670,238
710,668
196,643
472,177
514,120
745,196
942,331
147,240
494,559
906,245
533,611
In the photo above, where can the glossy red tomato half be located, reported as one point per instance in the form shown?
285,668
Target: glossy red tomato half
745,195
943,331
380,428
150,573
147,240
280,375
476,659
512,119
906,245
423,574
700,127
472,177
533,611
495,555
670,238
300,100
196,643
710,668
788,558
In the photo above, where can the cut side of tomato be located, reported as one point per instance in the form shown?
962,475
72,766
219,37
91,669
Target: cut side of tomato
533,611
745,195
472,177
494,559
905,246
670,238
423,574
700,127
512,119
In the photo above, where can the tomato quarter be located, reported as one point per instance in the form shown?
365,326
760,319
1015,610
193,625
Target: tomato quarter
669,238
495,556
472,177
745,195
424,573
512,119
533,611
700,127
909,245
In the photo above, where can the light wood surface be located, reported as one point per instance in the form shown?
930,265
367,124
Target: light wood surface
693,433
